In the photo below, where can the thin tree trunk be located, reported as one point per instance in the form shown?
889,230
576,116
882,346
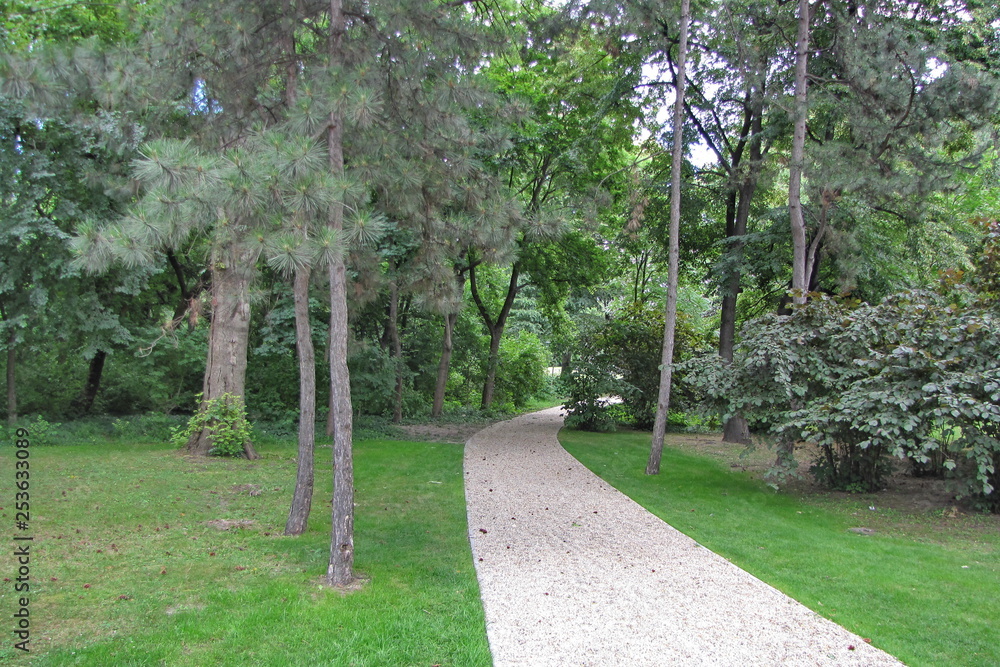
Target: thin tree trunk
495,327
736,429
489,385
731,285
329,401
798,224
444,365
228,337
340,571
392,329
184,300
785,458
298,514
11,377
94,373
667,357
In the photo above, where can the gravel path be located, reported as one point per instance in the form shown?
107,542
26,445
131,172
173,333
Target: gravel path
572,572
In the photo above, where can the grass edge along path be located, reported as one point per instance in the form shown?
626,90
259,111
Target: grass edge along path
127,569
925,602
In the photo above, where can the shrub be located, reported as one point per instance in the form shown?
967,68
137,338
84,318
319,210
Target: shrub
621,357
588,406
373,379
521,372
225,418
41,432
914,377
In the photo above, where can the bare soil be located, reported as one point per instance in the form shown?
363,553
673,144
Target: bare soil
450,433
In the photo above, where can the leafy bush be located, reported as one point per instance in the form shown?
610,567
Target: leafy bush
589,407
40,431
373,379
521,372
621,357
914,377
225,418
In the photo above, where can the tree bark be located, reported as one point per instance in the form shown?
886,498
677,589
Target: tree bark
667,357
795,214
340,571
329,400
444,365
94,373
184,300
298,514
495,328
11,377
736,429
228,336
392,329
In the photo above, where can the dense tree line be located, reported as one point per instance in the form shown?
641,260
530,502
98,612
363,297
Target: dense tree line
324,209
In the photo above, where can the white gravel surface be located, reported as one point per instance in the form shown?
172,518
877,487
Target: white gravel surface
572,572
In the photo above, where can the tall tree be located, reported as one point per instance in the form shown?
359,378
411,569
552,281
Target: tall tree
63,152
667,358
800,265
581,126
340,571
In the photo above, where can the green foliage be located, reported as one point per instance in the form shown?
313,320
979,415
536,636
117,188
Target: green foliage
41,432
521,372
152,426
914,377
988,264
588,406
225,419
373,379
621,357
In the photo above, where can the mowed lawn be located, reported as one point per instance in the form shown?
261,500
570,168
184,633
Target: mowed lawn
126,568
922,587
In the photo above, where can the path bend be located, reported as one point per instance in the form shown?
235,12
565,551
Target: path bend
572,572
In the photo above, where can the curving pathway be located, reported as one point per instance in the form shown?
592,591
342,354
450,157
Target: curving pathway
572,572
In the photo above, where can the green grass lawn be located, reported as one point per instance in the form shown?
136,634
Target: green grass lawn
126,569
925,594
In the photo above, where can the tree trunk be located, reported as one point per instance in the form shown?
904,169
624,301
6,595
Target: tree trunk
329,401
228,336
489,385
798,224
11,377
86,399
184,300
340,571
392,329
444,365
298,515
566,366
785,459
495,327
736,429
667,357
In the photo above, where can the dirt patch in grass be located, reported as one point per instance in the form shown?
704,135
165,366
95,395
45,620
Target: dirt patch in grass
450,433
227,524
